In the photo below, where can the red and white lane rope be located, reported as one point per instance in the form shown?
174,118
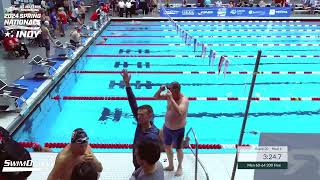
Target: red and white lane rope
207,44
129,146
195,72
244,36
243,25
119,98
199,56
258,21
244,30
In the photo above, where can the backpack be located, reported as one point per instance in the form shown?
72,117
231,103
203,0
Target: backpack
12,150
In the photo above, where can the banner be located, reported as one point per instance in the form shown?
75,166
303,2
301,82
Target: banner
228,12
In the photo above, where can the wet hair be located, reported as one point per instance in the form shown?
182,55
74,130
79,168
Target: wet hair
84,171
147,107
174,85
148,151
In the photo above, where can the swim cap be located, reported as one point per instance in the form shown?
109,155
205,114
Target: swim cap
79,136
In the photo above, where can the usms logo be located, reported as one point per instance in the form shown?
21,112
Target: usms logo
187,12
222,11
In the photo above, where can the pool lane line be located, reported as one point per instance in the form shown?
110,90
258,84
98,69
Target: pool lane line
125,64
243,25
212,36
220,30
286,21
130,146
149,85
127,51
217,25
199,56
117,98
197,72
207,44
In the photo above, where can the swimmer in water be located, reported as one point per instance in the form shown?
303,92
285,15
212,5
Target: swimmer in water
116,34
102,41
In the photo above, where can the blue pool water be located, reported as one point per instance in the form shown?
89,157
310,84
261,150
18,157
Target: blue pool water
215,122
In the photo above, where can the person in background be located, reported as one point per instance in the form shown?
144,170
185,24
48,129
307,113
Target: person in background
175,122
82,13
231,4
121,6
38,148
12,43
44,5
53,21
143,6
93,20
62,20
262,3
207,3
128,8
75,15
133,7
46,37
154,4
219,3
75,37
148,155
84,171
145,129
113,6
78,151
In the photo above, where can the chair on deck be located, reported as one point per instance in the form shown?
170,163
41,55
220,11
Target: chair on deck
9,96
40,68
59,51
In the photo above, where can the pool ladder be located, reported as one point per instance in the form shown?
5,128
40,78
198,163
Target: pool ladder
197,160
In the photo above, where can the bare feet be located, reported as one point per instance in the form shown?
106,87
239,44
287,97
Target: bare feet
169,168
178,172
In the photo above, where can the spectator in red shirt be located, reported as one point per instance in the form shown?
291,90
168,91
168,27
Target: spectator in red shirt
62,19
93,18
11,43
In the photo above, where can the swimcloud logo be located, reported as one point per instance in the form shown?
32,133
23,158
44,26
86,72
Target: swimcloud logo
17,166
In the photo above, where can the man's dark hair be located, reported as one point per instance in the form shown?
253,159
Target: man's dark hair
149,151
174,85
84,171
147,107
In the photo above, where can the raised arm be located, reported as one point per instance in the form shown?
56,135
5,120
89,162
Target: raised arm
158,94
131,98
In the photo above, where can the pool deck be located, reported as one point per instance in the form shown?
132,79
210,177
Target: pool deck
118,166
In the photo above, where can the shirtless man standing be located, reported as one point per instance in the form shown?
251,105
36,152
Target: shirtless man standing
74,153
175,122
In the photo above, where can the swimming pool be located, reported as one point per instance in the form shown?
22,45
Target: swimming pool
157,55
